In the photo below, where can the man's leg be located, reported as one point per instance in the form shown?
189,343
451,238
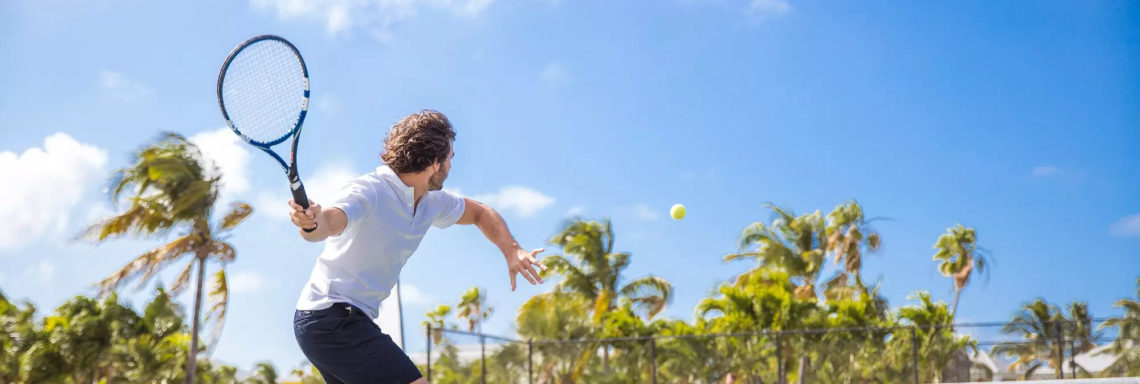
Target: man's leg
345,343
420,381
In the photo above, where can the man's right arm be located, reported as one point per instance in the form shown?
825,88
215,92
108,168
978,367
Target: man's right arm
329,221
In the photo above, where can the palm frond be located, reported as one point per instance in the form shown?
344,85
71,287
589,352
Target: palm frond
219,301
183,279
146,264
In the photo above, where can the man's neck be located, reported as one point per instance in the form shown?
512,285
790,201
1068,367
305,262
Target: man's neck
418,182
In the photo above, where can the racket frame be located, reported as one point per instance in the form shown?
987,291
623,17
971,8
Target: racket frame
290,168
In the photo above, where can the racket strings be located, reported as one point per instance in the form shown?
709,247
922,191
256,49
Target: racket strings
264,91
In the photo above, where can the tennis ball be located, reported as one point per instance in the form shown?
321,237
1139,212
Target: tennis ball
678,212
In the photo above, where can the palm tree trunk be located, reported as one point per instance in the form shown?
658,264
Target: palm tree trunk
192,360
804,362
954,312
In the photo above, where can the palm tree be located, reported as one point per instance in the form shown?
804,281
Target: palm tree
556,315
157,352
1037,324
436,322
597,273
937,344
799,244
473,308
169,188
960,256
1126,346
848,236
764,298
796,245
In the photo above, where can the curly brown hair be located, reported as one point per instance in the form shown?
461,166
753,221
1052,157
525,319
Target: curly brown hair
418,141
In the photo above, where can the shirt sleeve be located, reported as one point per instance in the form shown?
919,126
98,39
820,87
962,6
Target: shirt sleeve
451,209
353,200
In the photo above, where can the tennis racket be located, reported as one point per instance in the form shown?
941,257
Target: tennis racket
263,90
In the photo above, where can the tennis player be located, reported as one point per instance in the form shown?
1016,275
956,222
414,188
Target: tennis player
370,230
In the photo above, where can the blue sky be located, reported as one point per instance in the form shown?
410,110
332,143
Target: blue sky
1017,118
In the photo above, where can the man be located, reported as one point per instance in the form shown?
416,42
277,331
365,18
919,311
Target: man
370,230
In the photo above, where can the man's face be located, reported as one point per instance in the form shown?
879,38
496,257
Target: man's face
436,181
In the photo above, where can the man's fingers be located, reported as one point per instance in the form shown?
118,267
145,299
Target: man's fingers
295,206
521,269
538,263
530,268
512,280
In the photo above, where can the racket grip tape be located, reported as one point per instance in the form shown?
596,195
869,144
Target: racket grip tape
301,198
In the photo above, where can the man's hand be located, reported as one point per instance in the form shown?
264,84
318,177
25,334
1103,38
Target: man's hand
304,218
523,261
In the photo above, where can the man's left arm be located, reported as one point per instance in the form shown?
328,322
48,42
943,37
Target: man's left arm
519,260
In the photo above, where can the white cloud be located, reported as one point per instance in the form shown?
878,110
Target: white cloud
123,88
229,154
1126,227
1044,170
555,73
41,272
643,212
576,210
761,10
46,183
342,16
520,200
245,282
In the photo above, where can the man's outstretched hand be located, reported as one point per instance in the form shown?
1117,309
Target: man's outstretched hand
524,262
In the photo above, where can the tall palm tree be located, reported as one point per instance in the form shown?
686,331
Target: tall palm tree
960,256
474,309
1126,346
170,188
596,272
849,235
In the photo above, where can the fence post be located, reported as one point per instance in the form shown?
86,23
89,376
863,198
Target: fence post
1060,350
653,356
914,350
483,355
781,376
429,352
530,361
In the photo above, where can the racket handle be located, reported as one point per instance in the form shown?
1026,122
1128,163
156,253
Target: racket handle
300,197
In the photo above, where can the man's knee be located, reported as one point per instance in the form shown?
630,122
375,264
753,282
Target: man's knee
420,381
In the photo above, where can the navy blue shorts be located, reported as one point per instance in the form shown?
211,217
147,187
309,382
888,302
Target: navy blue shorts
347,347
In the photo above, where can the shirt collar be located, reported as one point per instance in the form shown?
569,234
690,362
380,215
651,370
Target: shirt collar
406,192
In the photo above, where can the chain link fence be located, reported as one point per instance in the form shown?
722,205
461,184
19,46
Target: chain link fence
906,354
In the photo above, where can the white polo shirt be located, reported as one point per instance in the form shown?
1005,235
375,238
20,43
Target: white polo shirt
360,266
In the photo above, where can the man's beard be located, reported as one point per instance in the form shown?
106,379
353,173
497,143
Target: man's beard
436,181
